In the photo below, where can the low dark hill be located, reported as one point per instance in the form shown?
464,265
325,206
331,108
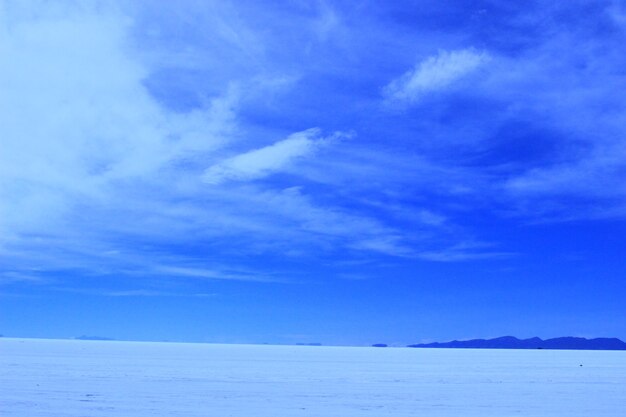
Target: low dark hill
510,342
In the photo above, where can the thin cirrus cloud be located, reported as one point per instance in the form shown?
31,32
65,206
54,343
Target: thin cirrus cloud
262,162
433,74
192,272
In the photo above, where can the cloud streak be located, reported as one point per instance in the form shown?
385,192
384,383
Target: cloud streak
260,163
434,74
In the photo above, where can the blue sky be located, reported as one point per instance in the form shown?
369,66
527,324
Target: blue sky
335,172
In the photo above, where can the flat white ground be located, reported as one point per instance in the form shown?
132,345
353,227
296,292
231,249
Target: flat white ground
133,379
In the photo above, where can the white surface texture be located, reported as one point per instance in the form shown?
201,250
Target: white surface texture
134,379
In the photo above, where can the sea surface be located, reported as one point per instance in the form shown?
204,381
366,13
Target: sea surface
71,378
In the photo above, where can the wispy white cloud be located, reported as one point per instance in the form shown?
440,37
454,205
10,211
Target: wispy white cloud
135,293
327,22
262,162
10,277
596,176
77,120
583,176
212,274
464,251
389,245
617,11
434,74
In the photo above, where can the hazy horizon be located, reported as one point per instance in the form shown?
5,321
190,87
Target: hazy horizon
380,344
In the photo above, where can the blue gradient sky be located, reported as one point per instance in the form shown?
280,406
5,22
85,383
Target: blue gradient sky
294,171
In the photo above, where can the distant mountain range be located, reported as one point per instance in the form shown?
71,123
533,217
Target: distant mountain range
510,342
83,337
